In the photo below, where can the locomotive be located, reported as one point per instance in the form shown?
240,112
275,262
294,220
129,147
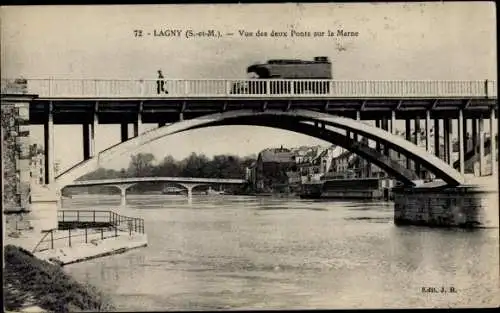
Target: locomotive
306,72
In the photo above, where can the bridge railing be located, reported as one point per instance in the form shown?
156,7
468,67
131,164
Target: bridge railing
250,88
155,179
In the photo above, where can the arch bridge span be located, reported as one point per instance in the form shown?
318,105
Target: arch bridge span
135,180
327,127
125,183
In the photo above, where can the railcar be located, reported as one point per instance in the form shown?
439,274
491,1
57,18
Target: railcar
307,73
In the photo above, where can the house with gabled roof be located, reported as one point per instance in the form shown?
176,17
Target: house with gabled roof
271,168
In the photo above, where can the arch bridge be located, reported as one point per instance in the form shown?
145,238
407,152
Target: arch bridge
125,183
331,110
332,128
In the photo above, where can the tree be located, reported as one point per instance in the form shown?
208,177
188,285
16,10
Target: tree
100,173
141,165
193,165
123,173
169,167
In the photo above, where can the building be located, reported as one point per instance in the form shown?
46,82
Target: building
319,163
250,173
342,163
37,167
57,167
294,181
271,170
305,154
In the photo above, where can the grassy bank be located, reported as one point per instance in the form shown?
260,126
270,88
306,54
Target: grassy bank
28,280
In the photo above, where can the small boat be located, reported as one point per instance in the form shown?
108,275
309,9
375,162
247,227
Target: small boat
172,191
211,192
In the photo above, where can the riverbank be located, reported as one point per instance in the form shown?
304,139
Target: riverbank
35,282
95,244
31,282
78,242
95,248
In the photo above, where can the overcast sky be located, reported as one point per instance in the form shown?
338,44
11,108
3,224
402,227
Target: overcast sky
455,41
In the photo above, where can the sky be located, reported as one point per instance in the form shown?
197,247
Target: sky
412,41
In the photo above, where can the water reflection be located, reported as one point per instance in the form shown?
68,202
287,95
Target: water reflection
242,253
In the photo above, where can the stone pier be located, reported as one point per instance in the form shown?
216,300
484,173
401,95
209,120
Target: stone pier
123,193
15,153
24,210
468,206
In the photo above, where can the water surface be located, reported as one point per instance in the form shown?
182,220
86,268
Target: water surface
263,253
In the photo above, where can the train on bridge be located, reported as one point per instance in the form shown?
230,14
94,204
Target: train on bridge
304,71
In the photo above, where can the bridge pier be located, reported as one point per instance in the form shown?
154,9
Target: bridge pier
474,136
417,142
138,123
48,127
123,193
428,137
437,139
137,128
458,206
446,139
466,137
189,188
428,131
393,122
93,129
461,141
86,141
377,144
408,137
493,147
358,118
124,131
385,126
448,145
481,147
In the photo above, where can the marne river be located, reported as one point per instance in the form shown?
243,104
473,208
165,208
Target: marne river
236,252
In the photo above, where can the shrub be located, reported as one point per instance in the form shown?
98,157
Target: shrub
55,290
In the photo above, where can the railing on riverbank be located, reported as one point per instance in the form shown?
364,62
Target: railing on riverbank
84,226
86,218
52,240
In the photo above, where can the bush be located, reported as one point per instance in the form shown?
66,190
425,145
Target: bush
52,288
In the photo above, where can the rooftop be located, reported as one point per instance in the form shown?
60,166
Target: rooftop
277,156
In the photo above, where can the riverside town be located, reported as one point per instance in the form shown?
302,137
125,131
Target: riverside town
237,173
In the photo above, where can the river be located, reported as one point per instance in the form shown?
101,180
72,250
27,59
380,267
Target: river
234,252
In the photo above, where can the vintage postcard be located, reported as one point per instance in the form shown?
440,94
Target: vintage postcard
249,156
